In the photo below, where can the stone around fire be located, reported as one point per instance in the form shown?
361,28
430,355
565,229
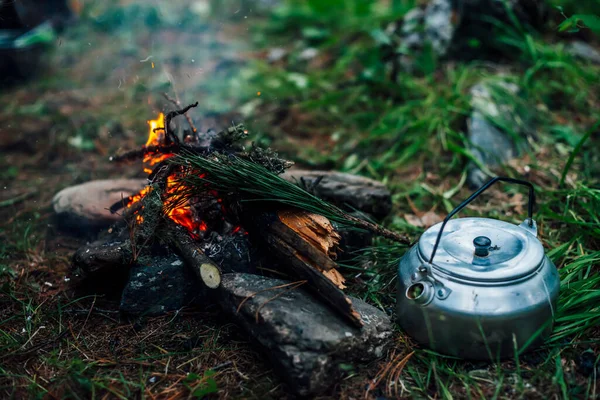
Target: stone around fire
345,190
84,208
306,341
164,284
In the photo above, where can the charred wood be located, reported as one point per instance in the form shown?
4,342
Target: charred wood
98,256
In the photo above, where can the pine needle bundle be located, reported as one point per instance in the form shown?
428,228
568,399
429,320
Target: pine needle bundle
244,180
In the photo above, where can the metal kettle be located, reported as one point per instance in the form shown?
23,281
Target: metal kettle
478,288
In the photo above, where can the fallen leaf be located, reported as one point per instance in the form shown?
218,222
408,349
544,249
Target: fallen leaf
517,202
413,220
426,220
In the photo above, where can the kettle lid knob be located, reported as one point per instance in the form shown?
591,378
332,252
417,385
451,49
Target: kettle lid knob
482,246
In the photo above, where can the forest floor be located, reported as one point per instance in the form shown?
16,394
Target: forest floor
325,101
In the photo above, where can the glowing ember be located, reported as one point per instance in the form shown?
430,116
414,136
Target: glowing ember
181,214
137,197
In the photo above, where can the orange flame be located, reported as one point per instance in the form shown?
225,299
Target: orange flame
137,197
156,135
180,214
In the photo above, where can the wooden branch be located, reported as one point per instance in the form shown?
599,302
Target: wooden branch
379,230
177,103
136,154
170,136
206,270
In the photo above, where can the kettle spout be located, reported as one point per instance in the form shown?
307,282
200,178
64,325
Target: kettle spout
420,293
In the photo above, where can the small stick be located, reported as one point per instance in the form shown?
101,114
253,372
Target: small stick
132,155
122,204
170,135
379,230
206,270
17,199
160,175
177,103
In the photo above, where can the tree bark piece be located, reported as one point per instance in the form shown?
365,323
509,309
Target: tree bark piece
313,228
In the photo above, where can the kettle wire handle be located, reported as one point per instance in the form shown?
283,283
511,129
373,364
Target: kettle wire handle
477,193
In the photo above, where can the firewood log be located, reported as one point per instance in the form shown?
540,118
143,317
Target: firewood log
303,244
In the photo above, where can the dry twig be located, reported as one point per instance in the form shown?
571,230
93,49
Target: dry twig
177,103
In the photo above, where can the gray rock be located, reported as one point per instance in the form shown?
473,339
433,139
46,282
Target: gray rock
357,192
158,285
434,25
584,51
452,27
490,145
276,54
305,340
439,25
84,208
308,54
412,22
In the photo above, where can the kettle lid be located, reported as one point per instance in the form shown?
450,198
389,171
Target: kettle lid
482,249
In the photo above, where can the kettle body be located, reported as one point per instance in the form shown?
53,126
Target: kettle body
478,288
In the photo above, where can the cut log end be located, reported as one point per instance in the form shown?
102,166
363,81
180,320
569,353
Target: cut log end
210,275
207,271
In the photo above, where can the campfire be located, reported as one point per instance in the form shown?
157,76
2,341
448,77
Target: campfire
206,188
